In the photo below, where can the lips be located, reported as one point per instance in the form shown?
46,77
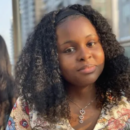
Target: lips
87,69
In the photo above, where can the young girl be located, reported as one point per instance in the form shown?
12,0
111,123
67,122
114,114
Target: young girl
7,85
73,75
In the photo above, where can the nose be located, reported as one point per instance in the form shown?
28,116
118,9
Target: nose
84,54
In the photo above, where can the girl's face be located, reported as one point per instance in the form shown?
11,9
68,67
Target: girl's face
81,55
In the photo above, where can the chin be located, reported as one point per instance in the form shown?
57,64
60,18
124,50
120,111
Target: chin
87,81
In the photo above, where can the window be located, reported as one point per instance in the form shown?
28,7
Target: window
127,51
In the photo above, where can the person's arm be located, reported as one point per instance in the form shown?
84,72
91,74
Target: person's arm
19,119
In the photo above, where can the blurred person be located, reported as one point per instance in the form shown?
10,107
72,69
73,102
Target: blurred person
7,85
73,75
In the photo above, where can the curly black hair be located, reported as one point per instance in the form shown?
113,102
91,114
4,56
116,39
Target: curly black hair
38,73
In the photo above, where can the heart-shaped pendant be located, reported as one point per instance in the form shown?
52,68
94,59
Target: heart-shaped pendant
81,117
81,121
82,112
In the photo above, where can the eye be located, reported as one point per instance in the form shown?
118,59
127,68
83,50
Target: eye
70,50
91,44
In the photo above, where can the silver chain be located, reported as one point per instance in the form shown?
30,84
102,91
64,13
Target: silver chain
82,111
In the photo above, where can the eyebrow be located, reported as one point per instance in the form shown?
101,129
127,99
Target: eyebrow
71,41
91,35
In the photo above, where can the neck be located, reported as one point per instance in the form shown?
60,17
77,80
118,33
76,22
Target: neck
81,95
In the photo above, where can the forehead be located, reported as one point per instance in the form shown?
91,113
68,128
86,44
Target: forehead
75,27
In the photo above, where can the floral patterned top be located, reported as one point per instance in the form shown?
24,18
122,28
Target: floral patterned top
118,118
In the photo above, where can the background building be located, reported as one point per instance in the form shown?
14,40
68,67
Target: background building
26,15
62,3
31,12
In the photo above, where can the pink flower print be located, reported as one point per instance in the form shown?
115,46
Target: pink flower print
115,124
126,111
40,122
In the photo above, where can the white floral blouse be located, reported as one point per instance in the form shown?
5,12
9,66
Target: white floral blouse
118,118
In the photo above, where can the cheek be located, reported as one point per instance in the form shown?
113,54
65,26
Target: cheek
66,63
99,56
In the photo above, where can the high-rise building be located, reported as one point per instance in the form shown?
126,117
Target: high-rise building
31,12
26,15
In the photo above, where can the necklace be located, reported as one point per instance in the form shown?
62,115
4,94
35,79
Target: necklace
82,110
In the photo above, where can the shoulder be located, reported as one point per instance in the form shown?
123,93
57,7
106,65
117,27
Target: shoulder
118,117
19,117
23,117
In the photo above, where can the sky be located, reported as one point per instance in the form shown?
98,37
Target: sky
5,22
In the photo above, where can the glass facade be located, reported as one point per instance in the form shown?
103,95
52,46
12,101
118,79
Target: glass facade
27,18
